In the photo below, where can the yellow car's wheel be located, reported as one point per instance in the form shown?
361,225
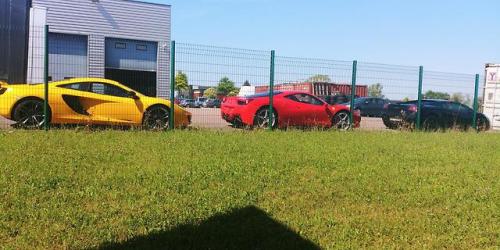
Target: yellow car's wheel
29,114
156,118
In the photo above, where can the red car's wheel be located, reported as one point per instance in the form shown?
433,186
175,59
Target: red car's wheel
261,119
341,121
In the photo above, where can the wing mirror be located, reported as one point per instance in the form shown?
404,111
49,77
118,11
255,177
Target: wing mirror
133,95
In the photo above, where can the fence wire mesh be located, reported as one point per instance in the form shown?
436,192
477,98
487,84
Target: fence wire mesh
449,86
205,75
23,55
393,82
320,77
123,82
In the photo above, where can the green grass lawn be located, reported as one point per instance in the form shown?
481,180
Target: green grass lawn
249,190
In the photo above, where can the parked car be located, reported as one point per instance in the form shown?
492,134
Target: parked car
435,115
337,99
178,100
371,106
189,103
212,103
199,101
290,109
86,101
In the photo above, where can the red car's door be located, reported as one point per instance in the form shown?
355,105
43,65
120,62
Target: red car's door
291,112
316,111
308,110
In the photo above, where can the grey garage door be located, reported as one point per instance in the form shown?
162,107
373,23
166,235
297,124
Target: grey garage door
132,63
131,55
67,56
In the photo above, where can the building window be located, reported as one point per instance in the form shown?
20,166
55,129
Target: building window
142,47
120,45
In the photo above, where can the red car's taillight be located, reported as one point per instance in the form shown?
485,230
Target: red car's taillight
224,100
413,108
244,101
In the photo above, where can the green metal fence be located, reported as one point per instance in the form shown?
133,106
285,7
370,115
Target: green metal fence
199,78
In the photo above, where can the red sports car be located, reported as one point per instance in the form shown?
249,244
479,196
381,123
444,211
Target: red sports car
291,109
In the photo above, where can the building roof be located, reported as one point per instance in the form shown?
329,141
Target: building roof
143,2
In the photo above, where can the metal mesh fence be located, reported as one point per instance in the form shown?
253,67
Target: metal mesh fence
205,75
449,86
23,57
393,82
125,84
320,77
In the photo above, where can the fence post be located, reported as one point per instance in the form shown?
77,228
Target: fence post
46,81
171,117
476,104
353,91
271,91
419,108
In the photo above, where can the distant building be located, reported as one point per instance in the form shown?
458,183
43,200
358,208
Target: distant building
317,88
196,91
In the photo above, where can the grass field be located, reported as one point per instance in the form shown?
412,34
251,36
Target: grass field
249,190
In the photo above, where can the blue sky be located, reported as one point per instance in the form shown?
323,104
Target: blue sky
445,35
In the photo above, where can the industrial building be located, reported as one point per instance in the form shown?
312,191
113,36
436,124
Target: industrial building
317,88
123,40
14,42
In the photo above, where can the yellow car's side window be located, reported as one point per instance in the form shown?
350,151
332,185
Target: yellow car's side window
98,88
107,89
87,87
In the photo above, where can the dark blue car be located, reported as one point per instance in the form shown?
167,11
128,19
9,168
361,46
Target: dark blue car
435,115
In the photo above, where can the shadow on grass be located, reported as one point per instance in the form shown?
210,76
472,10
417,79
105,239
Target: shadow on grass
246,228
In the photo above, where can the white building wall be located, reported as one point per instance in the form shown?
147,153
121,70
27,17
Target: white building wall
491,105
36,45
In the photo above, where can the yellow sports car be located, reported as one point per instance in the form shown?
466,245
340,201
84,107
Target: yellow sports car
87,101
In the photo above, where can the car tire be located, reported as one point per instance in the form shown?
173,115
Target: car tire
156,118
431,124
29,114
341,121
388,123
261,118
483,124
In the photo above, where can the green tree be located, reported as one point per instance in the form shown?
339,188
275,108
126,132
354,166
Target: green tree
319,78
437,95
210,93
225,86
406,99
234,92
181,81
375,90
459,97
